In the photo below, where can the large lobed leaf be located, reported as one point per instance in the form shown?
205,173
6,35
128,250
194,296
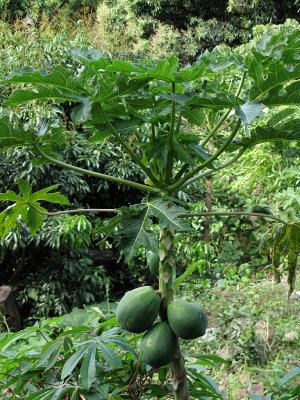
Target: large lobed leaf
23,206
135,232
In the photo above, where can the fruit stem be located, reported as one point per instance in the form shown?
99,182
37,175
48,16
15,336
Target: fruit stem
166,270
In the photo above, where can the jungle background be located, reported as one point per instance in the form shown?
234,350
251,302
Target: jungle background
71,265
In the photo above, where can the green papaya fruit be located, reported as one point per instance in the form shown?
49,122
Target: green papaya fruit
188,320
138,309
158,345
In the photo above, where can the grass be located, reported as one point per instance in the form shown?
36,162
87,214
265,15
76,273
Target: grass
248,324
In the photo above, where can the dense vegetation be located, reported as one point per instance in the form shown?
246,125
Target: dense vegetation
72,244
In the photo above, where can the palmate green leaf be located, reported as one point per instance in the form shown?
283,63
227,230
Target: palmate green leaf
194,116
135,234
264,134
270,85
9,218
44,195
59,85
214,99
82,112
23,207
12,135
33,220
163,70
275,70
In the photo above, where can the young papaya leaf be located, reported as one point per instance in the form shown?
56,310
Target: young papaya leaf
88,367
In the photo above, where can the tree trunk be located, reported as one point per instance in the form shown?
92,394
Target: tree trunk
166,265
9,308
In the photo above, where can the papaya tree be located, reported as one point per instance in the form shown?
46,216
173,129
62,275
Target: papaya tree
164,116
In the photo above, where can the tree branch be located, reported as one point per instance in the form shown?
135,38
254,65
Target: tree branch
250,214
95,174
79,210
225,115
178,185
212,171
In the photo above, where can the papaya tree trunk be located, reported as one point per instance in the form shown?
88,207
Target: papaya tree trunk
166,266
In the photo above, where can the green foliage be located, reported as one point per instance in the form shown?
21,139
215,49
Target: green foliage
82,353
25,204
284,241
163,116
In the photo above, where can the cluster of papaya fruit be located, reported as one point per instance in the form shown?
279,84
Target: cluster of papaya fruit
137,312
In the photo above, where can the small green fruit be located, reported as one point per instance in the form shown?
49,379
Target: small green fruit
138,309
188,320
158,345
